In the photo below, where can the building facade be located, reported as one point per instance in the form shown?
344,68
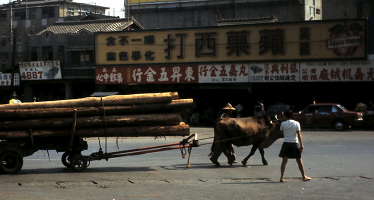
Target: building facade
22,18
70,44
154,14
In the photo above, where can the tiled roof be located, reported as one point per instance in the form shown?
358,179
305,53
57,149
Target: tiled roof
226,22
102,25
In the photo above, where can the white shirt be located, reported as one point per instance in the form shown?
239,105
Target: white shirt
289,129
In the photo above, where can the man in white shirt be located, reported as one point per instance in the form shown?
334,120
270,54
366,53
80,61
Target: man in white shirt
239,108
292,136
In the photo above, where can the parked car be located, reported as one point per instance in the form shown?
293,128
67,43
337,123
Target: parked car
276,111
328,114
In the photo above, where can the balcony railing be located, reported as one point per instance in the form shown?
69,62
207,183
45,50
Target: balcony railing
78,73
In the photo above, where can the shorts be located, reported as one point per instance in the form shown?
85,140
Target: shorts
290,150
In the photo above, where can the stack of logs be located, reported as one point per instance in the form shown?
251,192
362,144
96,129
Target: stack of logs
136,115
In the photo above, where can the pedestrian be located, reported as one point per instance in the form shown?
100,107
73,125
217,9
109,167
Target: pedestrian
259,109
290,149
227,111
239,109
361,107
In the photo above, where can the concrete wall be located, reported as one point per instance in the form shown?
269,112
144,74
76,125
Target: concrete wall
347,9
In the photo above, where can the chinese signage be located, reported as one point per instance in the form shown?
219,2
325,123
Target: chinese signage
147,75
341,39
223,73
274,72
6,78
40,70
337,71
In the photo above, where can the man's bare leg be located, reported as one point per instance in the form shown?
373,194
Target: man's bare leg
283,168
301,168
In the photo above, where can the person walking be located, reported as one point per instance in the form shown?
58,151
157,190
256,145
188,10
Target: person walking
239,109
227,111
292,137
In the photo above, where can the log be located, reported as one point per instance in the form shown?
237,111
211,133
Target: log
95,121
175,105
114,100
140,131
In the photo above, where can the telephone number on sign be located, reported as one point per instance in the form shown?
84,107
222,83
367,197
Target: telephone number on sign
32,75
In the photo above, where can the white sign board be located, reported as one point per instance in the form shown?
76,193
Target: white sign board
337,71
5,79
274,72
40,70
223,73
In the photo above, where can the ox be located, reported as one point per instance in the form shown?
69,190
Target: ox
258,131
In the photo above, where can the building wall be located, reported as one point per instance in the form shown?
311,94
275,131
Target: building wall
206,13
347,9
25,27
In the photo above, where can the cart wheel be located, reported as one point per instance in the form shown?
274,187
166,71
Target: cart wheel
65,158
10,162
78,163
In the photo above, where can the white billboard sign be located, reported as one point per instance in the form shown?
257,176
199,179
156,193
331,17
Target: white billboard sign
354,71
6,78
274,72
223,73
40,70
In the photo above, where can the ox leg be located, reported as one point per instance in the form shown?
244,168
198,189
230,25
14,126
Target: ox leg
262,152
253,150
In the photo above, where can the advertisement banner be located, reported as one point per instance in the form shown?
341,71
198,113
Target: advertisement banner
275,42
274,72
110,75
223,73
337,71
40,70
147,75
5,79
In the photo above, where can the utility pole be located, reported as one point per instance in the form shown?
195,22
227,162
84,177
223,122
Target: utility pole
11,52
127,9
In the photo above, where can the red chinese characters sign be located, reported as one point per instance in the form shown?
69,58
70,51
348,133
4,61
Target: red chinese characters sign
147,75
223,73
274,72
337,71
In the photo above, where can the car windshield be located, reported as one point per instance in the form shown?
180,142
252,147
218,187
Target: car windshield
278,108
342,107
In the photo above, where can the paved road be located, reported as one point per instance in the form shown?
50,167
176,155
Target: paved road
340,163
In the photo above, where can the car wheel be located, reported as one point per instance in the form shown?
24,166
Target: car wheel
339,125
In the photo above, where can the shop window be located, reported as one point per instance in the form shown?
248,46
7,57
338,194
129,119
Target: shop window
3,41
71,11
19,14
3,64
48,12
3,16
34,54
32,13
47,53
19,40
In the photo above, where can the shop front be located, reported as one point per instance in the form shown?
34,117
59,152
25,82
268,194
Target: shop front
289,63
